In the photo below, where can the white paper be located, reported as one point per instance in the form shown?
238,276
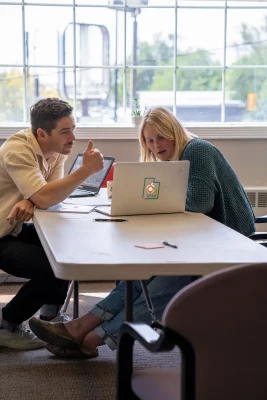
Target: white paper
68,208
104,210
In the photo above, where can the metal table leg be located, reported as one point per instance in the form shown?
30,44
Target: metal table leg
129,301
69,294
76,300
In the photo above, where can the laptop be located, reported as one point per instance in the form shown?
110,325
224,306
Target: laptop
148,188
91,185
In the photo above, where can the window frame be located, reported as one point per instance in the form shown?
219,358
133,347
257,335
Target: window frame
118,131
125,132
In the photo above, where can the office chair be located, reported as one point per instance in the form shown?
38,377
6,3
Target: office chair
260,237
220,325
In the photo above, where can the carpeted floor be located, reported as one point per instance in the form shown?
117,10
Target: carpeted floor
37,374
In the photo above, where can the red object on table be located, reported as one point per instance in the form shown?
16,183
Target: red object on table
109,176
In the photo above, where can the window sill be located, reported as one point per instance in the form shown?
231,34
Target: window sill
126,132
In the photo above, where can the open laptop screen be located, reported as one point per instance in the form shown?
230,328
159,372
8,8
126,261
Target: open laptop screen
94,181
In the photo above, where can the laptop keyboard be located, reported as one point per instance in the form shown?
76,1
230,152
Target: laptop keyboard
82,193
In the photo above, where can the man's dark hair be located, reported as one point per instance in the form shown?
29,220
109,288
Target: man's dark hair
47,112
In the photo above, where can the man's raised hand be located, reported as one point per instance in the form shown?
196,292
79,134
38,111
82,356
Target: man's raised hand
92,158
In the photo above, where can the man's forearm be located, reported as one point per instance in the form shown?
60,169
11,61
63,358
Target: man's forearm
55,192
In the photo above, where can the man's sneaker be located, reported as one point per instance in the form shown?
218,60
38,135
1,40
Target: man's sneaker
61,317
20,339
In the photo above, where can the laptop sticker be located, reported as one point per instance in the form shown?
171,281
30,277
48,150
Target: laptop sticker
151,189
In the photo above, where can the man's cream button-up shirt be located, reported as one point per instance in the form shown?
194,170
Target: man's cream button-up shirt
23,171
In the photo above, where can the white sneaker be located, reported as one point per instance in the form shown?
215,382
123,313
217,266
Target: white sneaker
21,339
61,317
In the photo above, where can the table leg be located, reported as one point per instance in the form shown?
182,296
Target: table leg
129,301
148,302
76,300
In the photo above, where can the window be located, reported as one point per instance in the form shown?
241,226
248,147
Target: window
205,60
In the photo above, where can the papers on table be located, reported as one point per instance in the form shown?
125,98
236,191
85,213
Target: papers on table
69,208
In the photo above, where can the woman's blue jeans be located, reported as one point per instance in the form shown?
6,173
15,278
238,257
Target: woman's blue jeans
112,308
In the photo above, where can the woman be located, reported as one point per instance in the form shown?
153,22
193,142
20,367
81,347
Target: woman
213,189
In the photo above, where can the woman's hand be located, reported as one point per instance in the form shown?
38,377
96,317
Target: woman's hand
22,211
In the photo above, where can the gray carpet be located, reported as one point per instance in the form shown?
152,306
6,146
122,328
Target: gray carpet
39,375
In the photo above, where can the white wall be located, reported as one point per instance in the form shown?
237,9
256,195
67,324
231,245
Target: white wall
248,157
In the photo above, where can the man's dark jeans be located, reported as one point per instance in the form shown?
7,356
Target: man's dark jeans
24,256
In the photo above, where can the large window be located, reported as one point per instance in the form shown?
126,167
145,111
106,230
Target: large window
205,60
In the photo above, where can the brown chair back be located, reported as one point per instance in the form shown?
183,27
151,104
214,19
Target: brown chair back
224,316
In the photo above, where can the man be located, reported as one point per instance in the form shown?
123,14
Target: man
32,174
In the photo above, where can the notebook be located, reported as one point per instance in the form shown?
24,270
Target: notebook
91,185
148,188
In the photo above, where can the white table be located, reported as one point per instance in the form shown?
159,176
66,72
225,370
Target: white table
101,199
80,249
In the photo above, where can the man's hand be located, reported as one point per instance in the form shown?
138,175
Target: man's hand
22,211
93,159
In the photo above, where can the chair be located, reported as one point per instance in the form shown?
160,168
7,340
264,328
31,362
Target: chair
260,237
220,325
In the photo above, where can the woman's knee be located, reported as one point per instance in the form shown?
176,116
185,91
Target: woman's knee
160,284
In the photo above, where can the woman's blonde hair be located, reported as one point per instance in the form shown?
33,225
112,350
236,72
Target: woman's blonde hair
167,126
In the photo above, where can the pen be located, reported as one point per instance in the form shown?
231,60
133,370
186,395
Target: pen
110,219
169,244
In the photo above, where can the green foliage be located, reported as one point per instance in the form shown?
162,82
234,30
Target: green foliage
239,81
136,110
11,94
160,53
243,81
198,79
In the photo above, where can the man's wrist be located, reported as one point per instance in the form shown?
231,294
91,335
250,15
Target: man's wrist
28,200
82,172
